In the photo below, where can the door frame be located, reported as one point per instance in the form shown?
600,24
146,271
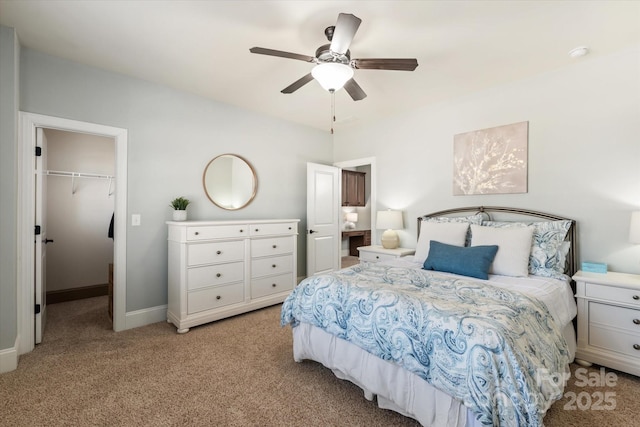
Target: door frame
26,208
366,161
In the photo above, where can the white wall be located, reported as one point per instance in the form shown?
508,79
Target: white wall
584,152
172,136
79,222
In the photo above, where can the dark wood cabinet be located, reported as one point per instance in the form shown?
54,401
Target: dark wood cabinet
353,190
357,238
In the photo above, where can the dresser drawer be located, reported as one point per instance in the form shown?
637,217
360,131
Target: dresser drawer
619,341
206,232
273,246
211,275
208,253
616,317
210,298
271,266
271,229
623,295
271,285
375,257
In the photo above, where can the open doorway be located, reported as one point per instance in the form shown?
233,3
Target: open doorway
80,194
358,228
27,308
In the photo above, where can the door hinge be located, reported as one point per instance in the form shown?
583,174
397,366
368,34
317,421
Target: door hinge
38,151
37,230
37,308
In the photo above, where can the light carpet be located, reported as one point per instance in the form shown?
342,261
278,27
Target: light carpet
234,372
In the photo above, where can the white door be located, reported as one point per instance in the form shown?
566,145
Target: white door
323,218
40,239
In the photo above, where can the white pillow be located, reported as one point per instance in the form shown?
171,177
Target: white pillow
451,233
514,248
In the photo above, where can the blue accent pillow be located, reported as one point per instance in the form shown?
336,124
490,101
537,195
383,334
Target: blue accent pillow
472,261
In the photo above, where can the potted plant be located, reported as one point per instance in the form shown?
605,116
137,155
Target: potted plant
179,206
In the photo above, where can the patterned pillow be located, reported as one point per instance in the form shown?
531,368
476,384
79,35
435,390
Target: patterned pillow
548,248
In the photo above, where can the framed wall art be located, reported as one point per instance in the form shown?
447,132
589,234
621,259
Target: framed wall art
491,161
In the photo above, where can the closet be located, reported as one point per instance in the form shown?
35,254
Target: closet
80,187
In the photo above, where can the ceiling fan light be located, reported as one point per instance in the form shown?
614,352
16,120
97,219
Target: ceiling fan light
332,75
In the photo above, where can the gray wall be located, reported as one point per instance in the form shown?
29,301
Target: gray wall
172,137
9,74
584,152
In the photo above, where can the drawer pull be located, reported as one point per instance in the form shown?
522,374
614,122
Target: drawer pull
273,285
196,233
218,252
275,246
289,228
377,257
218,297
636,346
274,266
257,230
241,230
636,321
218,275
636,297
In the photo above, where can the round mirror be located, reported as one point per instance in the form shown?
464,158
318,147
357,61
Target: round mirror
230,182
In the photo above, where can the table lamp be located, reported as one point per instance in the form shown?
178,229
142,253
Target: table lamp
390,221
351,218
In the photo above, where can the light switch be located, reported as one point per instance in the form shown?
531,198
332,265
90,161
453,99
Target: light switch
135,220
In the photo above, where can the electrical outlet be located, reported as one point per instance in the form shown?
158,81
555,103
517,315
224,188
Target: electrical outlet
135,220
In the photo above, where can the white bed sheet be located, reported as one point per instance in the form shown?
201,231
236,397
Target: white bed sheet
402,391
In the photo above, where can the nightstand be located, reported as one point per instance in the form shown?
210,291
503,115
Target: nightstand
609,320
378,253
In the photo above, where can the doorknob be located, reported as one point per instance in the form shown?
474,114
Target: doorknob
312,231
45,241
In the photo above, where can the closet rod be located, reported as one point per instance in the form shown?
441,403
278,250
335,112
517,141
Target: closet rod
79,174
74,175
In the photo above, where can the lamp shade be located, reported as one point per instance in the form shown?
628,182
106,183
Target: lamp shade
634,228
332,75
352,217
389,220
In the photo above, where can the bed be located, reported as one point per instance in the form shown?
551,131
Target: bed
475,329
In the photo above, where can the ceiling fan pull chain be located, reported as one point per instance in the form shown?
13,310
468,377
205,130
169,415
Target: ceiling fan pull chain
333,109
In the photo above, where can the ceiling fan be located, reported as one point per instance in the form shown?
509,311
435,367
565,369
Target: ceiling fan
334,66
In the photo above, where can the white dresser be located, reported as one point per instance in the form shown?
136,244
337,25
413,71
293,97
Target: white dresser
609,320
218,269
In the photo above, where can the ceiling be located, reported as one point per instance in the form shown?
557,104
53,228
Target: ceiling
203,46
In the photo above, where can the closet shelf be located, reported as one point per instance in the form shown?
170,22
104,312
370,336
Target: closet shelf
79,174
74,175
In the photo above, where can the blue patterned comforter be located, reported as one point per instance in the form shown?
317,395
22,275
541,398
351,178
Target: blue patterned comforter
482,344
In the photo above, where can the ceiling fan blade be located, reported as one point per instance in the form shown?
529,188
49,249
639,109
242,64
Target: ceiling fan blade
297,84
401,64
282,54
354,90
346,28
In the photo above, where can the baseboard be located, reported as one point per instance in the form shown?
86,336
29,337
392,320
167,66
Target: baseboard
146,316
9,358
73,294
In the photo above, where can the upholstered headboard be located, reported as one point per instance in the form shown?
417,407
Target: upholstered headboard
497,213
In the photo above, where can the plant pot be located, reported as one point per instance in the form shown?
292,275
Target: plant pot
179,215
